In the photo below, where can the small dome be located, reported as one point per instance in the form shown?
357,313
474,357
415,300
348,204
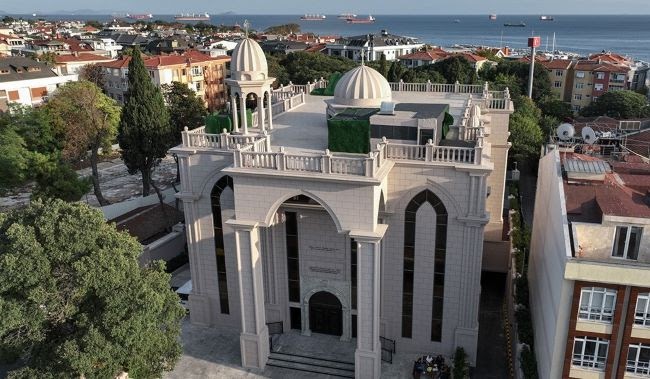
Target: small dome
362,87
248,61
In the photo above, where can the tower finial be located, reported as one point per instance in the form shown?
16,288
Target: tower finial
246,26
363,55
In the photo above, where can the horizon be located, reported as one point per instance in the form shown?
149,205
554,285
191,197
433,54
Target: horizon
110,12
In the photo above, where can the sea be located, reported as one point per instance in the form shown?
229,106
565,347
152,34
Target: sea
583,34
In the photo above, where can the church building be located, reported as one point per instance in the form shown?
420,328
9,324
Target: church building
368,214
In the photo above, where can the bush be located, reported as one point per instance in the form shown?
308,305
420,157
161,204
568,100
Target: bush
528,363
349,136
461,366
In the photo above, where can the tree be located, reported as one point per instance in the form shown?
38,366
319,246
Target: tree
14,159
541,78
48,58
283,29
619,104
185,109
95,24
555,108
144,130
526,137
88,121
93,73
75,301
456,69
395,71
303,67
383,65
276,69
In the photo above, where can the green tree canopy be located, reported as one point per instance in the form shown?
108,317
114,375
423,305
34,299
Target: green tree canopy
455,69
144,131
185,109
555,108
283,29
619,104
302,67
93,73
541,78
88,121
75,301
525,133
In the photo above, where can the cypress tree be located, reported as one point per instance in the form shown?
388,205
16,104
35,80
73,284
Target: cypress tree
383,65
144,131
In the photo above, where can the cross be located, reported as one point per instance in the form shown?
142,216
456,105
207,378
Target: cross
246,26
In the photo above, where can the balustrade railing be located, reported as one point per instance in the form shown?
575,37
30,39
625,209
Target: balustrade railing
434,153
437,87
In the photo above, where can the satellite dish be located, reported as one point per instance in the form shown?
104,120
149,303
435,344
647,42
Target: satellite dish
565,131
588,135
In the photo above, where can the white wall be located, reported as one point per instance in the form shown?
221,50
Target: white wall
550,293
24,87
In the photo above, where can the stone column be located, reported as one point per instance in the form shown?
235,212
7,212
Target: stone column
270,111
235,117
260,112
244,119
367,357
254,338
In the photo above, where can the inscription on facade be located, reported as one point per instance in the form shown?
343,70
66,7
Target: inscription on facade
324,270
323,248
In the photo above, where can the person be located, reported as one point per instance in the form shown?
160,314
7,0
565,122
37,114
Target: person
418,368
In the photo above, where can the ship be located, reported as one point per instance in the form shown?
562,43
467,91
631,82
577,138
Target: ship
192,17
345,16
357,20
493,17
519,25
546,18
313,17
139,16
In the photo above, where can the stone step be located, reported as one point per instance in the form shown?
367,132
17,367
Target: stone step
312,364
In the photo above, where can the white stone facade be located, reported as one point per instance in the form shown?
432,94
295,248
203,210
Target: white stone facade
277,172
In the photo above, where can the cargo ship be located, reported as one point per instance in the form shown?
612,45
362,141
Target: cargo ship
139,16
345,16
493,17
313,17
363,20
192,17
546,18
519,25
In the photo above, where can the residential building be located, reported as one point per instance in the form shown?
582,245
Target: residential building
369,245
12,43
423,58
373,45
559,75
27,82
203,74
640,76
73,63
105,46
590,79
589,267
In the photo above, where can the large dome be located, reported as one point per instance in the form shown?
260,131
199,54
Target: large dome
248,61
362,87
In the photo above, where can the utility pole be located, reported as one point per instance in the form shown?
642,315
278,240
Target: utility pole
533,42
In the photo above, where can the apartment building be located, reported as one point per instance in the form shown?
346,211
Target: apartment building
73,63
373,46
589,272
559,74
591,79
27,82
203,74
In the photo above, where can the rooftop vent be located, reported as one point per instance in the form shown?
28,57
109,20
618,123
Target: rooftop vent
387,108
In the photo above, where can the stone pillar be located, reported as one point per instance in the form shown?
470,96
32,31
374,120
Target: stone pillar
367,357
270,111
244,119
254,338
235,117
260,112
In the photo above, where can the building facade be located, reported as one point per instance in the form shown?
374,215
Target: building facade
203,74
373,46
589,268
388,243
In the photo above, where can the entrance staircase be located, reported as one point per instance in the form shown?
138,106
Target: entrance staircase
312,364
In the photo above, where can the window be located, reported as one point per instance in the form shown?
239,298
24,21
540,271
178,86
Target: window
438,269
580,74
197,71
638,359
590,352
600,75
559,73
580,85
642,312
557,84
576,108
220,254
595,98
597,304
577,96
293,264
198,86
598,86
626,242
353,273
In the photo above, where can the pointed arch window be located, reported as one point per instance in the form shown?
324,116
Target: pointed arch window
215,197
440,251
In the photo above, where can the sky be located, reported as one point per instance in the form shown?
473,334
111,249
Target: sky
554,7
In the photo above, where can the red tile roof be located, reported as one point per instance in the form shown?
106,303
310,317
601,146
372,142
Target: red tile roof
429,55
610,57
603,67
557,64
83,57
190,56
471,57
120,63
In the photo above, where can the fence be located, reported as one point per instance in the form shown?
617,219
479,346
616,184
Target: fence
433,153
275,329
438,87
387,349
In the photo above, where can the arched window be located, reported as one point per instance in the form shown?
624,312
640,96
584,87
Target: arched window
439,264
215,196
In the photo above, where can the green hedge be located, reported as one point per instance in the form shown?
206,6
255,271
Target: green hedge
446,123
331,85
215,123
348,136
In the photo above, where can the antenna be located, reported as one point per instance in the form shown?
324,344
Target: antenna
565,132
588,135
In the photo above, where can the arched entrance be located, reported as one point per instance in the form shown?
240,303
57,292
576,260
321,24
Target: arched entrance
325,314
